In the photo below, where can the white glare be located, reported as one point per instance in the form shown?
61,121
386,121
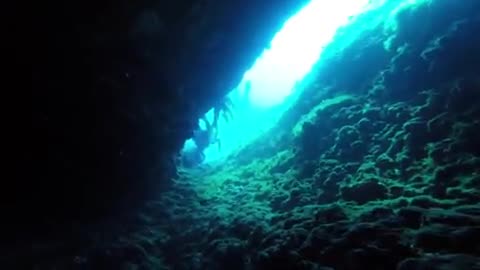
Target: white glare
291,55
296,47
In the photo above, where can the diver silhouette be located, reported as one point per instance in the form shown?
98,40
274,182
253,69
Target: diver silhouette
203,138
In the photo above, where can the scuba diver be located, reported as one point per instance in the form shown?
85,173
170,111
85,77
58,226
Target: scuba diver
225,105
205,137
202,139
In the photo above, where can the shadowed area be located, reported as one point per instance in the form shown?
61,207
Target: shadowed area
116,89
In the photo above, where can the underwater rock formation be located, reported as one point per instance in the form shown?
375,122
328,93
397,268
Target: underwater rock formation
117,90
382,171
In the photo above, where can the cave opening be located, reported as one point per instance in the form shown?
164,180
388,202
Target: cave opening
269,87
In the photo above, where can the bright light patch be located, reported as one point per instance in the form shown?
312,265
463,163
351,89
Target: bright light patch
290,57
296,47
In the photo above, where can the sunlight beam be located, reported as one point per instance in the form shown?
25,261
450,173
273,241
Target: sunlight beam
297,47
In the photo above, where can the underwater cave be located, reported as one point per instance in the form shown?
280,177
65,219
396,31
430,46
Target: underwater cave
208,134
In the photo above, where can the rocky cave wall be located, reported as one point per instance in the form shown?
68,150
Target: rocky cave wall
116,89
382,176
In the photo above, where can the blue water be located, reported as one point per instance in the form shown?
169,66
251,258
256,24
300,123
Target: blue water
276,74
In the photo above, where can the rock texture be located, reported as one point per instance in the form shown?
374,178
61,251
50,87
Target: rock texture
379,171
116,88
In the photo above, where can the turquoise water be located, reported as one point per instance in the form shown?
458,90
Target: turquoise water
288,59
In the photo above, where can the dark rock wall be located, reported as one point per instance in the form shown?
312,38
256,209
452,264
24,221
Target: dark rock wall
116,87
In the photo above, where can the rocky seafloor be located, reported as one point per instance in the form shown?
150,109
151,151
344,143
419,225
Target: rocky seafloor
382,171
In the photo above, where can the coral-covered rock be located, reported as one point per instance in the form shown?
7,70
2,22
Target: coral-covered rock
375,165
434,237
441,262
346,135
465,240
396,191
364,192
384,162
330,214
413,217
376,214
